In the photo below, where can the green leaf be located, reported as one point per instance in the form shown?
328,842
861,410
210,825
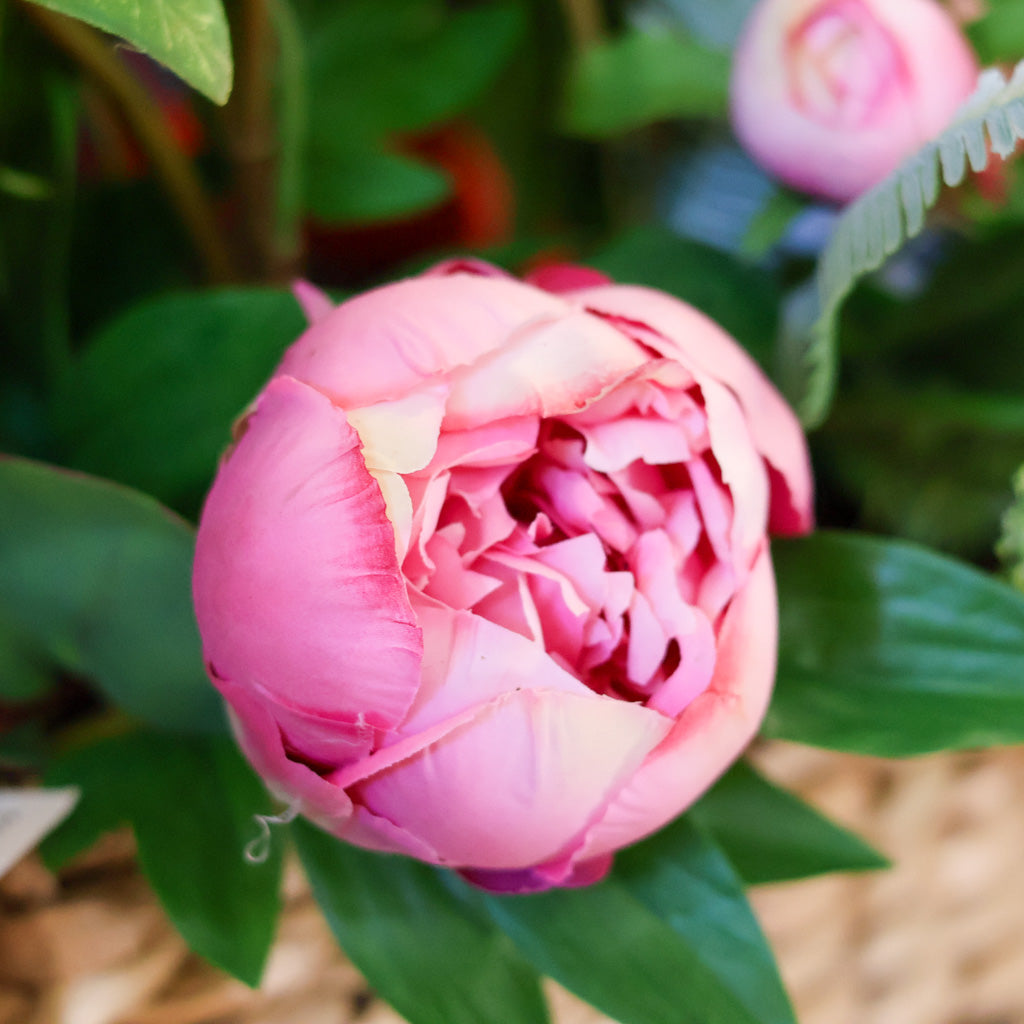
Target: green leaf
188,36
770,835
641,77
24,673
191,803
877,224
365,185
668,939
151,398
383,68
417,945
998,35
98,580
888,649
378,67
740,298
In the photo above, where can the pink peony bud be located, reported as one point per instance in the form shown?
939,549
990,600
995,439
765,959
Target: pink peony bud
830,95
485,578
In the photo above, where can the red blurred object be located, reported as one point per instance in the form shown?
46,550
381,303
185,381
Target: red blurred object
108,149
478,213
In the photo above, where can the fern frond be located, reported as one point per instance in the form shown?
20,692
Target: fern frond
880,221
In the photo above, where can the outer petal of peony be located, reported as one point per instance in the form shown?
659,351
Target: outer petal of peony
519,780
384,343
830,95
297,587
679,331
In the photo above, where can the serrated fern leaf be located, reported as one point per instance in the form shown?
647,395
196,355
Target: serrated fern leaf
1010,548
880,221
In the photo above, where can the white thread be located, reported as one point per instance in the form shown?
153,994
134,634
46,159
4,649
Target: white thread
258,850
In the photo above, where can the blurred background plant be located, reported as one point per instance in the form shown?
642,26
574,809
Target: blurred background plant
150,222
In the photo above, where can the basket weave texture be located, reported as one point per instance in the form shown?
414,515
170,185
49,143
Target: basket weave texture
938,939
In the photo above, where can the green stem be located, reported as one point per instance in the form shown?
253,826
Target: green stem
292,120
585,22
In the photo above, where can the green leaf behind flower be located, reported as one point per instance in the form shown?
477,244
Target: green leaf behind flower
771,835
96,578
151,398
418,946
190,802
668,938
888,649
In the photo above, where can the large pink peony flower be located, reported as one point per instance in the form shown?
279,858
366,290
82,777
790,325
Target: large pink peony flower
830,95
485,577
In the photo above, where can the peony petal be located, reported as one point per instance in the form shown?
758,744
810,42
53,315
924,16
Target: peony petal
679,331
531,769
315,303
297,587
382,344
400,436
713,729
565,277
551,365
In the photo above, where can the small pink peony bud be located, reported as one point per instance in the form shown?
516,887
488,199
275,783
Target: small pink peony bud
830,95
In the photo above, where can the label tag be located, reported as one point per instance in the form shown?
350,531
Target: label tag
26,816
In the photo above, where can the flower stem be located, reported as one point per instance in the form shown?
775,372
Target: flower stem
585,22
254,141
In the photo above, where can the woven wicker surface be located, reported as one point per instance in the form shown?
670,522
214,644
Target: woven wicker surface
937,940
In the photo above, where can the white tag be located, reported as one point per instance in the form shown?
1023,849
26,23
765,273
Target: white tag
26,816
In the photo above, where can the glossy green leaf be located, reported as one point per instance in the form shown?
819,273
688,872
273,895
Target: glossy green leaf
668,939
98,580
889,649
188,36
191,803
417,945
641,77
743,300
151,399
771,835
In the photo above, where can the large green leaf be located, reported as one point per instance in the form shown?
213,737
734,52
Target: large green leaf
189,36
668,939
770,835
151,399
879,222
97,578
889,649
191,803
418,946
640,77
